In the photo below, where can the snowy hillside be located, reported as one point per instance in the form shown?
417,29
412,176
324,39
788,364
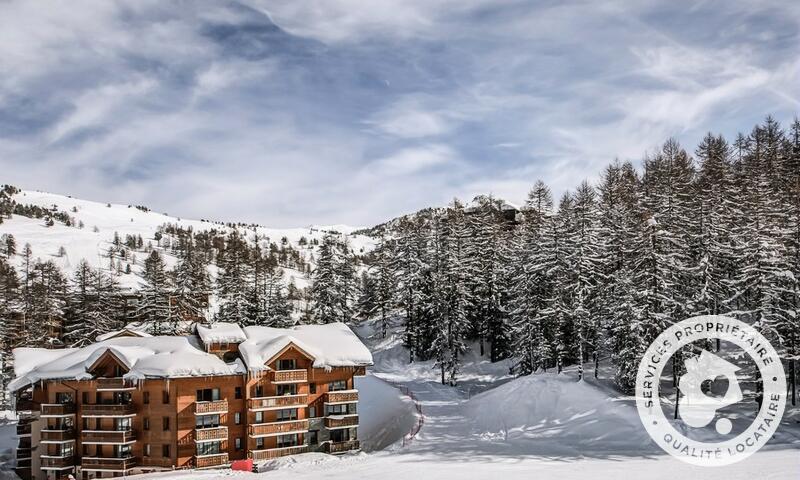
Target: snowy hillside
96,223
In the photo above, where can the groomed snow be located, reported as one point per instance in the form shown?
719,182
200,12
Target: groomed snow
221,332
331,345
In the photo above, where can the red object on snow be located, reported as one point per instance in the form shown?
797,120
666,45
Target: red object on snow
242,465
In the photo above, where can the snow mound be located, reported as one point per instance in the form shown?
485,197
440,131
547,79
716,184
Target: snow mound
331,345
556,413
385,416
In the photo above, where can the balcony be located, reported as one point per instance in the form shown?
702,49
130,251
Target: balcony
27,405
270,453
290,376
114,385
270,403
342,396
108,410
110,437
57,463
210,434
341,447
23,453
58,409
23,463
278,428
58,436
108,464
207,408
23,429
360,371
341,421
210,461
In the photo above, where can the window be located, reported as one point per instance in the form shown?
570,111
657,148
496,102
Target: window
165,424
341,409
208,395
165,397
123,424
146,397
287,414
313,437
146,423
237,443
312,388
123,451
63,397
286,364
85,397
98,398
118,371
206,421
259,417
337,385
237,418
85,423
165,451
259,443
312,411
146,449
287,440
208,448
341,435
286,389
237,393
259,391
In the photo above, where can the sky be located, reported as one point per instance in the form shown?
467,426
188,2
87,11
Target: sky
294,112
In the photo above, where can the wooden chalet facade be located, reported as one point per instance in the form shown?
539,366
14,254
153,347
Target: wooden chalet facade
107,426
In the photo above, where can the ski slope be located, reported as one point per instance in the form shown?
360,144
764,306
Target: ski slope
101,220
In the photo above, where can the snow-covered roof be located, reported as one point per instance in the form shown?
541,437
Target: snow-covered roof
221,332
125,332
144,357
331,345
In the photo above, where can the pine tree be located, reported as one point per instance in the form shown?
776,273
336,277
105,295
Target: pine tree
192,281
93,301
325,283
234,281
156,307
45,319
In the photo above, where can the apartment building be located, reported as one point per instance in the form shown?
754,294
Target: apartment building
132,404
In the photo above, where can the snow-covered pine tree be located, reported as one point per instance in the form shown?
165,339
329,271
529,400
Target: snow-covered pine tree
325,294
155,306
92,305
191,280
411,269
530,282
45,319
234,280
9,296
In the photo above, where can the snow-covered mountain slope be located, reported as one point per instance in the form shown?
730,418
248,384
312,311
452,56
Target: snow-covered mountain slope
100,221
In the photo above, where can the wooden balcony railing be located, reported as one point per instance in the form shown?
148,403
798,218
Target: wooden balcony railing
108,436
26,405
57,409
290,376
23,429
23,452
58,435
339,447
205,434
23,463
341,421
108,463
270,453
342,396
205,408
276,428
206,461
110,384
57,462
286,401
110,410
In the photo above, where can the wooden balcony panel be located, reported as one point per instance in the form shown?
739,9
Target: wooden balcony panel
23,429
57,409
343,396
23,463
270,453
206,408
108,463
57,462
27,405
105,410
23,452
206,434
286,401
340,447
276,428
290,376
338,421
207,461
111,384
58,435
108,436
